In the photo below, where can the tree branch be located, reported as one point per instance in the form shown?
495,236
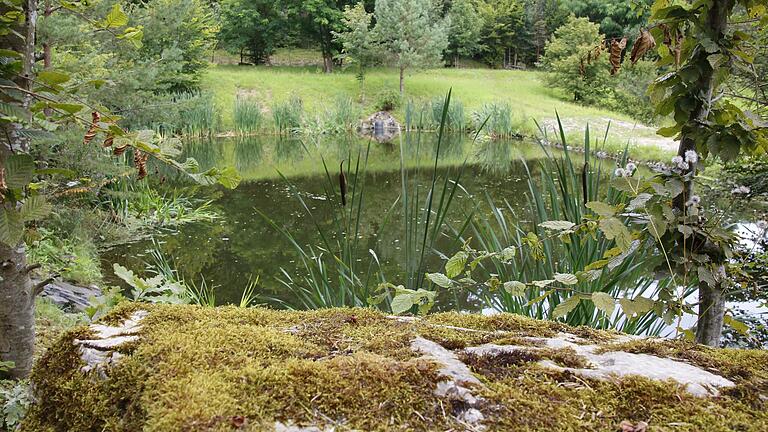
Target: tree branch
38,288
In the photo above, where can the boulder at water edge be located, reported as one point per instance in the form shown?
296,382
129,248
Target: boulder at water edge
185,368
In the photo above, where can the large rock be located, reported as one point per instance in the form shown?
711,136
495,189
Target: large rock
184,368
70,297
381,126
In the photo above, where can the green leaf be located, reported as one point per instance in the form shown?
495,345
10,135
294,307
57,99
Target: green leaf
706,276
515,288
562,309
601,208
68,108
115,18
566,278
557,225
737,325
657,226
11,227
19,170
540,298
637,306
402,302
456,263
35,208
614,229
52,77
440,279
123,273
508,253
639,201
604,302
543,283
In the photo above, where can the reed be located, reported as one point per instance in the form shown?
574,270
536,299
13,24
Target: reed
247,115
198,114
558,189
288,115
334,274
498,119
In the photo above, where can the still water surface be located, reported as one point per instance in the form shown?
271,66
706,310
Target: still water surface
242,245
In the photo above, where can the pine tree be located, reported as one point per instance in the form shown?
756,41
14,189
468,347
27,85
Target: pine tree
412,32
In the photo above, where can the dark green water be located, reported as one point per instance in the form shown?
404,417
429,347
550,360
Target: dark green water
242,245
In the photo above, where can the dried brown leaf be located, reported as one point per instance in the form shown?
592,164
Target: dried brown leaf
617,47
108,141
140,162
93,129
643,44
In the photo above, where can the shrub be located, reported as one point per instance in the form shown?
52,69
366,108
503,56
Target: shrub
388,100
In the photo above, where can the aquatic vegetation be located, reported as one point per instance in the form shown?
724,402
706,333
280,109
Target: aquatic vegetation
428,115
498,120
288,115
332,272
343,116
247,115
199,114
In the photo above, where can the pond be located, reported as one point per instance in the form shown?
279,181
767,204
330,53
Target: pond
285,182
243,245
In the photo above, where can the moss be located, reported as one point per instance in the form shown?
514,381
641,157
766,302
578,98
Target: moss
202,369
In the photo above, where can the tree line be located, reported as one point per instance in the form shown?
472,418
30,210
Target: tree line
501,33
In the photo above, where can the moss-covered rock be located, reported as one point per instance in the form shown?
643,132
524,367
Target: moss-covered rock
184,368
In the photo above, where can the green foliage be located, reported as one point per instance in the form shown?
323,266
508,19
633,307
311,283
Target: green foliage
288,115
251,28
412,32
465,29
343,116
15,400
703,120
181,33
156,289
388,100
497,118
617,18
198,114
565,59
247,115
359,43
74,258
504,27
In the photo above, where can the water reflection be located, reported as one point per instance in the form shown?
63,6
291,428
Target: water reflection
242,244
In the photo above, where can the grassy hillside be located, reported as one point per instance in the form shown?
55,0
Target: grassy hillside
525,91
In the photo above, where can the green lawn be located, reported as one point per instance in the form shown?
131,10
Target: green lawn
525,91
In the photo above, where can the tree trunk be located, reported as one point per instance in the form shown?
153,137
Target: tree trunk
47,56
17,311
17,296
402,81
327,63
711,314
712,300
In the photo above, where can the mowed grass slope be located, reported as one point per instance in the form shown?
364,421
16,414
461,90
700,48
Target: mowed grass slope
527,93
